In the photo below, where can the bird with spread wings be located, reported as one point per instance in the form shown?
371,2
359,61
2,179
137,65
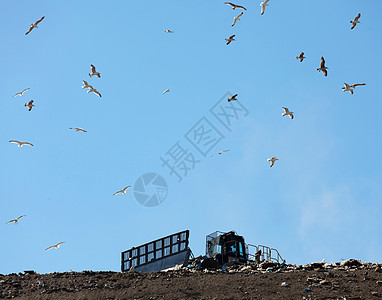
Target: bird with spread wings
123,191
322,67
21,93
237,18
55,246
34,25
15,220
94,72
355,21
263,5
20,144
219,153
235,6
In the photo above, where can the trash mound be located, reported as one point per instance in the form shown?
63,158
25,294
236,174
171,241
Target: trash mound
349,279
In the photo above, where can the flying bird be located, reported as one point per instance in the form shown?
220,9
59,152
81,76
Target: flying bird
15,220
78,129
94,72
263,5
301,56
220,152
233,98
272,160
350,87
237,18
287,112
166,91
55,246
29,105
230,39
355,21
21,93
123,191
20,144
93,90
86,85
169,31
34,25
234,6
322,67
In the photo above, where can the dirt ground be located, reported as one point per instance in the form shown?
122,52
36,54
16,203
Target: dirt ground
248,282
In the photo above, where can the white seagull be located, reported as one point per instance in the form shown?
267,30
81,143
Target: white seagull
123,191
86,85
94,72
93,90
301,56
272,160
15,220
21,93
166,91
234,6
322,67
20,144
287,112
263,5
237,18
29,105
34,25
78,129
230,39
355,21
233,98
169,31
55,246
220,152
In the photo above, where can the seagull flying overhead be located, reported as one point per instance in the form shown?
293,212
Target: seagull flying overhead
287,112
230,39
350,87
123,191
301,56
94,72
322,67
15,220
237,18
169,31
233,98
272,160
263,5
29,105
166,91
55,246
20,144
21,93
220,152
34,25
86,85
234,6
93,90
355,21
78,129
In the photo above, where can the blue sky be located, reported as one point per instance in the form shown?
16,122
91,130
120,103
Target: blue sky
321,200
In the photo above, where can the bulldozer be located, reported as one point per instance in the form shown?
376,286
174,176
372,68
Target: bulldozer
222,249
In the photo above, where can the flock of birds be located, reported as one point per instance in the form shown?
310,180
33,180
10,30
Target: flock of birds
93,72
347,87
